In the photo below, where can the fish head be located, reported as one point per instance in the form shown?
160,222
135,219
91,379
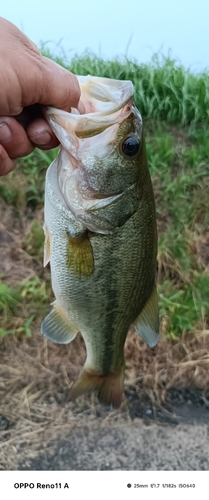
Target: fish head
102,161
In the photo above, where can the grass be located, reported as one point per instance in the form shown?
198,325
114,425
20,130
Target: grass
20,305
174,104
164,90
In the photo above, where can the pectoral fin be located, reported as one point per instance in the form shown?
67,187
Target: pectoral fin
147,323
80,255
57,328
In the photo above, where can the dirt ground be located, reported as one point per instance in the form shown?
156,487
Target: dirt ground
140,445
163,423
40,429
177,440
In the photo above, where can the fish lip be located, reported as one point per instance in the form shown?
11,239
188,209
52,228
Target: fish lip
50,112
97,114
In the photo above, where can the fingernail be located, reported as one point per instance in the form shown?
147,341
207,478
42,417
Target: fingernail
5,133
41,139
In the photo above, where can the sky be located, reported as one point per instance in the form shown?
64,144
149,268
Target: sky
109,28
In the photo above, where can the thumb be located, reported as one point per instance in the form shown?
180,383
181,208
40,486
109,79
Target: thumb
60,88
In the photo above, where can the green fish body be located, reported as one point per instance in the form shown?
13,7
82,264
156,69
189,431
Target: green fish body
100,234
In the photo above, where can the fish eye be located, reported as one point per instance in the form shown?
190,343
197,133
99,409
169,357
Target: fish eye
130,146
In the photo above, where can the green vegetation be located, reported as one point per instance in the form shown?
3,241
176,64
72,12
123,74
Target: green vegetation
174,104
20,305
164,90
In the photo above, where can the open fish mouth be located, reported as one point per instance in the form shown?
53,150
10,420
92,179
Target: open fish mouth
104,96
107,103
87,141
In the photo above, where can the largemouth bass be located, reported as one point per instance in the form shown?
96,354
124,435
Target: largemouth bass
100,234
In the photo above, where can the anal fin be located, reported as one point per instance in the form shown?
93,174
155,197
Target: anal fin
147,323
57,328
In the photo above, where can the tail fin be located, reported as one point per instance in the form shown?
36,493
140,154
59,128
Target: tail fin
109,387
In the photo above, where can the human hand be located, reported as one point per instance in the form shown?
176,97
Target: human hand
27,81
